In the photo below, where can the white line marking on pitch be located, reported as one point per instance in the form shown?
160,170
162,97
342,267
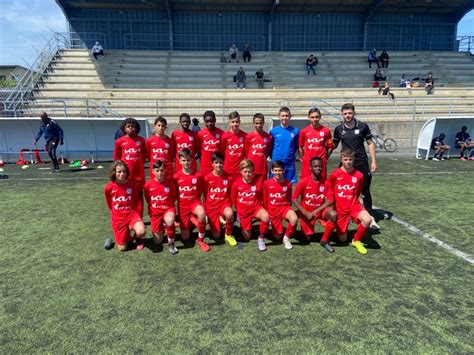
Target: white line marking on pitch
423,166
428,173
446,246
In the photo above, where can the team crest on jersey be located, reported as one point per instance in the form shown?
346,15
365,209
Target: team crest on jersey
321,188
254,188
138,143
285,188
241,139
265,140
129,191
191,139
167,189
321,134
292,135
354,179
225,182
218,135
167,145
356,131
194,181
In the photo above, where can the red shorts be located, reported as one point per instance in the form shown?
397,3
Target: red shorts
246,221
186,215
344,218
213,217
122,228
307,226
158,220
277,215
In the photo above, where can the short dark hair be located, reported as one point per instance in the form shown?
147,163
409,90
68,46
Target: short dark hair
278,164
113,169
130,121
183,153
209,114
233,115
348,106
195,121
284,109
158,164
313,110
315,159
346,152
184,115
217,155
161,119
258,115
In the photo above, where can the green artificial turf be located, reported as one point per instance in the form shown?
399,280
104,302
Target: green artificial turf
62,292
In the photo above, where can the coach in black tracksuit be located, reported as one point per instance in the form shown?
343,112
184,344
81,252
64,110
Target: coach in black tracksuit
53,135
353,133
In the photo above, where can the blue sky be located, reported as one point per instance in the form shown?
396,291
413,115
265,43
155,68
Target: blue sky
24,25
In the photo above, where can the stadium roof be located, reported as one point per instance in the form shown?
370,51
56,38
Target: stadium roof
446,7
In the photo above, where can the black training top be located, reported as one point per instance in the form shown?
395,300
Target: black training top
353,138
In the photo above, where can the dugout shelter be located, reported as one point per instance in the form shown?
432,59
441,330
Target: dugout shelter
271,25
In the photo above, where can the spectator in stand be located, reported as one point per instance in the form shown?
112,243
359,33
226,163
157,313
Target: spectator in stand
404,82
233,53
241,78
246,54
372,58
384,59
259,78
195,127
378,75
385,90
97,50
311,63
462,141
437,144
429,84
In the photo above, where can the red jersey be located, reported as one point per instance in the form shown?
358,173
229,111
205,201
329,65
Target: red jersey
182,140
160,196
122,199
276,194
311,193
160,149
246,197
233,147
344,189
132,151
315,141
209,142
257,149
190,188
217,190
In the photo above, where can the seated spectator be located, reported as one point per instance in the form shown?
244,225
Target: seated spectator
246,54
195,127
462,141
260,78
403,81
385,90
233,53
311,63
437,144
384,59
372,58
429,84
97,50
378,75
241,78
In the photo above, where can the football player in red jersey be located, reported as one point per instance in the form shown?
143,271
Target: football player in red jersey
313,204
277,201
217,204
190,187
160,147
184,138
160,195
233,146
258,147
315,140
344,188
246,196
209,139
122,196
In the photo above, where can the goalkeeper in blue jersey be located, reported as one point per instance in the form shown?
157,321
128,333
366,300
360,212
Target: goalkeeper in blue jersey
285,144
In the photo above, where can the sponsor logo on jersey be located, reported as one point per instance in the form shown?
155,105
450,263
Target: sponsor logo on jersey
345,187
122,198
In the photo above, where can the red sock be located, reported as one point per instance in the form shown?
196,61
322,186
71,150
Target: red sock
171,231
229,227
201,227
360,232
328,231
264,227
290,230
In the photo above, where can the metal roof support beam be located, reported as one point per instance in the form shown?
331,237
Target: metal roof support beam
167,5
366,17
271,17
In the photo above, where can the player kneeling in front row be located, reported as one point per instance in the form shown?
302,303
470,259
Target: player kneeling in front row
344,188
246,196
217,203
313,204
160,195
123,199
277,201
191,211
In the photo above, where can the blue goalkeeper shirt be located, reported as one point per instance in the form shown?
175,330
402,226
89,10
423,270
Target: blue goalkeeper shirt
285,144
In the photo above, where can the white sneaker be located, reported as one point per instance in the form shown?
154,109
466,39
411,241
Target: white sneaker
287,243
435,159
374,225
261,245
172,249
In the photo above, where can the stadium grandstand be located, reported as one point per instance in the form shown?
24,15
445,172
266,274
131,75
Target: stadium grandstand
164,57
